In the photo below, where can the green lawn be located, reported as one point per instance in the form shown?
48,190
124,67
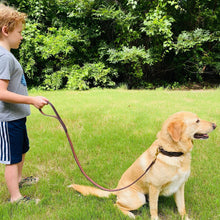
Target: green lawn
110,129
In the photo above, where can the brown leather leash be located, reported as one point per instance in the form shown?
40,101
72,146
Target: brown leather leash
57,116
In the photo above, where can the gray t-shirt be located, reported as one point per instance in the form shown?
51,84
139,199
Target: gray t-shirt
10,69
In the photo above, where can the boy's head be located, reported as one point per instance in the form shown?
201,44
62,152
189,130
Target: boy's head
9,17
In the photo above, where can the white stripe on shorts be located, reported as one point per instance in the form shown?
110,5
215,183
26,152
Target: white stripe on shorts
4,143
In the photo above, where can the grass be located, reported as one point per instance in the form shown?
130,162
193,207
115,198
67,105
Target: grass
110,129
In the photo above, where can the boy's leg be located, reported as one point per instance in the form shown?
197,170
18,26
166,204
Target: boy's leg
11,177
20,167
27,181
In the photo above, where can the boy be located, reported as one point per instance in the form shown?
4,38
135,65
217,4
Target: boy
14,103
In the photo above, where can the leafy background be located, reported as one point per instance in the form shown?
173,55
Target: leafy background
80,44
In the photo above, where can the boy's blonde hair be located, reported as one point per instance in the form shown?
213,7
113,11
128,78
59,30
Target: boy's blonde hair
10,17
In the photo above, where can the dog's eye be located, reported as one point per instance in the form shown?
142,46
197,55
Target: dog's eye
198,121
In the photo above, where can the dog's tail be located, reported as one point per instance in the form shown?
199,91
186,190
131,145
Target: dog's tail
88,190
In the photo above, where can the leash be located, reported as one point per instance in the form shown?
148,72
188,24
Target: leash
77,160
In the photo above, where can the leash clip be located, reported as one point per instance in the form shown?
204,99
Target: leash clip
157,152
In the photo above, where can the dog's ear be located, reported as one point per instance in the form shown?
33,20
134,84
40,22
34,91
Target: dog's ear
175,130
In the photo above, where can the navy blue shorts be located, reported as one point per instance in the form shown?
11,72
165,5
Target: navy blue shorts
13,141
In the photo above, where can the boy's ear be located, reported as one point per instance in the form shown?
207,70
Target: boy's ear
5,30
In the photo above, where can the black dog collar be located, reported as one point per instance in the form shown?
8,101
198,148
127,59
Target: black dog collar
169,153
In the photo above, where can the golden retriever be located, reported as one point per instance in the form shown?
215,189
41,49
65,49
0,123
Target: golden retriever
168,175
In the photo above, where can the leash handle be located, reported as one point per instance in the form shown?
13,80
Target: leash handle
57,116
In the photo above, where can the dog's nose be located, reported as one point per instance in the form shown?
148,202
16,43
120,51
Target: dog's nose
214,126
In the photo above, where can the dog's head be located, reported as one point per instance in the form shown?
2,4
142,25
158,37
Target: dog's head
184,126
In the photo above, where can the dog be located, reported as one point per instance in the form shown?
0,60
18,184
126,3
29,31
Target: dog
172,151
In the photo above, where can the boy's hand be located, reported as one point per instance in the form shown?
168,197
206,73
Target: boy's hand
40,101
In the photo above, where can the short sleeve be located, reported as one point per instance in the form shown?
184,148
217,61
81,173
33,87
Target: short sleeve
5,67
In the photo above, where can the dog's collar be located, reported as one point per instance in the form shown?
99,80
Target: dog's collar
169,153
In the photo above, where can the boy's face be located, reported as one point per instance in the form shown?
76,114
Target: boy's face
15,36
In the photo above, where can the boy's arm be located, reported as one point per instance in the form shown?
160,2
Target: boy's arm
11,97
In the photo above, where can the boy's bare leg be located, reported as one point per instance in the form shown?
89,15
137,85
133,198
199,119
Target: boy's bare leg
11,177
20,167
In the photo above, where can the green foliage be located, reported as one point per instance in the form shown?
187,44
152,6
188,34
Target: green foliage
55,80
142,41
135,58
128,55
28,51
188,40
158,26
91,75
57,43
201,57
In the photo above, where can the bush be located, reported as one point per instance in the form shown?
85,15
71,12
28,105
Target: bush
91,75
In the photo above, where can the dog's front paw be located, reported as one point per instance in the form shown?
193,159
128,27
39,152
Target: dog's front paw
131,215
155,218
185,217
